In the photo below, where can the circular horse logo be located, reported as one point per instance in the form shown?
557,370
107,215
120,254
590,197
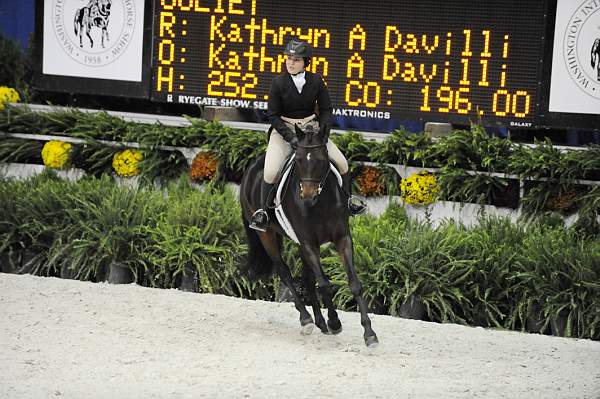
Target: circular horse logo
94,32
581,47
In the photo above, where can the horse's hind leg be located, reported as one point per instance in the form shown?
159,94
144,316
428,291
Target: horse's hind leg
272,245
308,279
104,34
311,258
87,32
345,249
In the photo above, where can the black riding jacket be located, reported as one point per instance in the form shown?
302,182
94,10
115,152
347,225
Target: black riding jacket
284,100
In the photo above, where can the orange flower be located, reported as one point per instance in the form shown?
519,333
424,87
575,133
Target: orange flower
204,167
370,181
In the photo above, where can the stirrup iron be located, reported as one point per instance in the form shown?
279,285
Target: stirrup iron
260,220
356,209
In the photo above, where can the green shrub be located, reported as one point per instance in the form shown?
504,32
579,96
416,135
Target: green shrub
354,146
108,226
472,149
21,151
15,68
493,246
403,148
559,273
199,229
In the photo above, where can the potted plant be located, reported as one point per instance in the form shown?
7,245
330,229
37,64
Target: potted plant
472,149
107,235
404,148
555,279
421,268
10,221
195,240
492,246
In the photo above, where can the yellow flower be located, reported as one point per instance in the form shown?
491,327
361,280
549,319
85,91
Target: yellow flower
125,162
8,95
419,189
55,154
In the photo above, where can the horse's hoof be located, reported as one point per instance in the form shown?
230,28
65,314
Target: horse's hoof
335,326
335,331
307,329
371,341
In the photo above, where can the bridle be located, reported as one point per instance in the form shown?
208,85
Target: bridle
323,179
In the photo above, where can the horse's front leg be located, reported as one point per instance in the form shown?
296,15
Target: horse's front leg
308,280
272,245
345,249
312,258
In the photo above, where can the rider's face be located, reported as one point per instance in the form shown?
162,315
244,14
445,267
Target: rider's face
294,64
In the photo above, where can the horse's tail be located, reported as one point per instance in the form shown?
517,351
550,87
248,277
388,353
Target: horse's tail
596,53
259,265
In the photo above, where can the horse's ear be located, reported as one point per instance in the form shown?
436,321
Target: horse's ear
299,132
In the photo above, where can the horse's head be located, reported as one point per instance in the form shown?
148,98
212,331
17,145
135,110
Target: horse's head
104,6
312,161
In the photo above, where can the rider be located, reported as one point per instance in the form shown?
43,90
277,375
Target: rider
292,99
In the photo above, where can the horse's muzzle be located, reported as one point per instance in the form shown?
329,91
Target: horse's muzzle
310,190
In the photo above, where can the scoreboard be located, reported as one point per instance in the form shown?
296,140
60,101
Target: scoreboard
456,60
507,63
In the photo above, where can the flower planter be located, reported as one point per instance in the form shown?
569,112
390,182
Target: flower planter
479,315
535,319
23,171
128,182
559,324
412,308
27,260
9,262
189,279
119,274
507,197
67,273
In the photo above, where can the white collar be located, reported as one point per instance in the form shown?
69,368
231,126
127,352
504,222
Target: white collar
300,75
299,81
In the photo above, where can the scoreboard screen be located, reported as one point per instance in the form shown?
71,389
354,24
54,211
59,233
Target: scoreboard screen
457,60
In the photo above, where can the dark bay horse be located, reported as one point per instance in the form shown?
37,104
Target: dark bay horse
317,210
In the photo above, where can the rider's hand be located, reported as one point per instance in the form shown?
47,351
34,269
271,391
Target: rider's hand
294,142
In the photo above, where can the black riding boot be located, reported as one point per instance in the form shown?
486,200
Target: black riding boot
355,205
260,218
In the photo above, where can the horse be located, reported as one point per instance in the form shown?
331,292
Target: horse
316,208
95,14
596,56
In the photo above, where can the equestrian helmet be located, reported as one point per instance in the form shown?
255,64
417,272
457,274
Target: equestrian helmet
299,49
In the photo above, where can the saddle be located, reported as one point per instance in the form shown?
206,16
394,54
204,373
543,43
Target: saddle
281,183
